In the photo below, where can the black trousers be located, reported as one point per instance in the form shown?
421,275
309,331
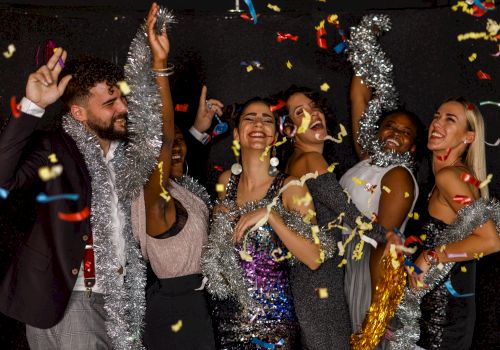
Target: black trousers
170,302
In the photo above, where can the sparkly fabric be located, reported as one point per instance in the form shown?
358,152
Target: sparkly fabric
270,317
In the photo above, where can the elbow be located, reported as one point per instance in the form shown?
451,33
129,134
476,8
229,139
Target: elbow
314,264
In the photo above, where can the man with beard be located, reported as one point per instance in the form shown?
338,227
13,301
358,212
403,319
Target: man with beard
78,279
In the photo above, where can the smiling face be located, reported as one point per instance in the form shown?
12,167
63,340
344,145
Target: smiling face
297,104
449,128
398,133
257,126
179,150
105,112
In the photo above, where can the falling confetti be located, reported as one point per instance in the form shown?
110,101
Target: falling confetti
304,125
10,51
273,7
181,107
325,87
289,64
472,57
73,217
4,193
49,173
177,326
53,158
164,193
386,189
322,293
124,88
219,188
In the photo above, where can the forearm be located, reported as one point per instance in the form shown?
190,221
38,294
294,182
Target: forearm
305,250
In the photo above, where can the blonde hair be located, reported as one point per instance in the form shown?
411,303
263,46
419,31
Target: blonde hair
475,158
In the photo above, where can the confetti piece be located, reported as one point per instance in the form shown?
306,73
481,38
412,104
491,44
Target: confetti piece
463,269
177,326
482,75
273,7
289,64
4,193
164,193
423,237
14,108
325,87
304,125
73,217
406,195
53,158
331,167
265,345
462,199
472,57
470,179
245,256
497,143
475,36
247,17
370,241
218,168
236,148
181,107
278,256
386,189
249,69
340,135
219,188
478,256
342,263
280,104
43,198
332,19
251,9
124,88
10,51
320,33
454,292
483,103
306,200
414,267
310,215
49,173
486,182
286,36
414,215
322,293
358,181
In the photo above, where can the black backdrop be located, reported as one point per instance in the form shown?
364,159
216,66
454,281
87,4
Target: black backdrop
208,44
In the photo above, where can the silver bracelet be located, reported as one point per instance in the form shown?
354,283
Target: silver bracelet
170,67
163,74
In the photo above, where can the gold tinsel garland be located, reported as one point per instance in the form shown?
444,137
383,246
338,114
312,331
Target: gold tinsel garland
388,294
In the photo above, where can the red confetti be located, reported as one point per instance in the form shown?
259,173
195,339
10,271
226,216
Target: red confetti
218,168
247,17
470,107
413,239
81,215
286,36
462,199
321,41
181,107
443,158
14,107
278,105
470,179
482,75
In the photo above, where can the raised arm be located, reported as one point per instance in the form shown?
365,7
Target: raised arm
360,94
160,214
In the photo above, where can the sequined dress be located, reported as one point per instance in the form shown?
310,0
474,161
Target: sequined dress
447,321
267,279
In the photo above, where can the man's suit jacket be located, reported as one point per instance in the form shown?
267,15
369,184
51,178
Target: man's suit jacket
43,272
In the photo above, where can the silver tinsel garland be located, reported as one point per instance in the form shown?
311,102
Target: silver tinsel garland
372,64
408,311
193,186
133,163
220,261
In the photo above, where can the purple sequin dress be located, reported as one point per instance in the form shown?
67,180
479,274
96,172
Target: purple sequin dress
274,326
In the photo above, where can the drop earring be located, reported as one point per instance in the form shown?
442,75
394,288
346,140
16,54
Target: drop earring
273,163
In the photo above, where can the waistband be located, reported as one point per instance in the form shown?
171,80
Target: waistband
178,285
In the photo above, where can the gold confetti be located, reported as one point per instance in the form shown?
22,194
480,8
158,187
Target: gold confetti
340,135
266,150
357,254
386,189
463,269
342,263
322,293
245,256
236,148
289,64
219,188
177,326
478,256
472,57
306,200
486,182
306,120
49,173
464,6
423,237
325,87
164,193
333,18
310,215
406,195
320,25
358,181
249,69
273,7
10,51
331,167
53,158
124,88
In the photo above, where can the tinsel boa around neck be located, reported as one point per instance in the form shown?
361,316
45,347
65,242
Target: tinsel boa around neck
371,63
133,163
408,311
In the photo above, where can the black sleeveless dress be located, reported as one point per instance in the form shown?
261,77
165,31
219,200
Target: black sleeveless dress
449,310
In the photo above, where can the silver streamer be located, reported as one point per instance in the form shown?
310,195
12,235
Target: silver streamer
220,261
372,64
133,164
193,186
408,311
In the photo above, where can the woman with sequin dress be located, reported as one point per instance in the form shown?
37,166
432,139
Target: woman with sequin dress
250,247
460,227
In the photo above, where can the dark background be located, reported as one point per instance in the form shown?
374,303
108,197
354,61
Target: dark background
208,44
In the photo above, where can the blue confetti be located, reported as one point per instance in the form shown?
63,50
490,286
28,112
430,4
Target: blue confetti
251,9
4,193
454,292
43,198
340,47
417,269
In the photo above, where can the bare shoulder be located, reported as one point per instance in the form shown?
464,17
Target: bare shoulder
311,162
449,182
224,180
398,175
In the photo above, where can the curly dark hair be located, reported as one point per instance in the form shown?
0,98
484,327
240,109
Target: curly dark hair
87,72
